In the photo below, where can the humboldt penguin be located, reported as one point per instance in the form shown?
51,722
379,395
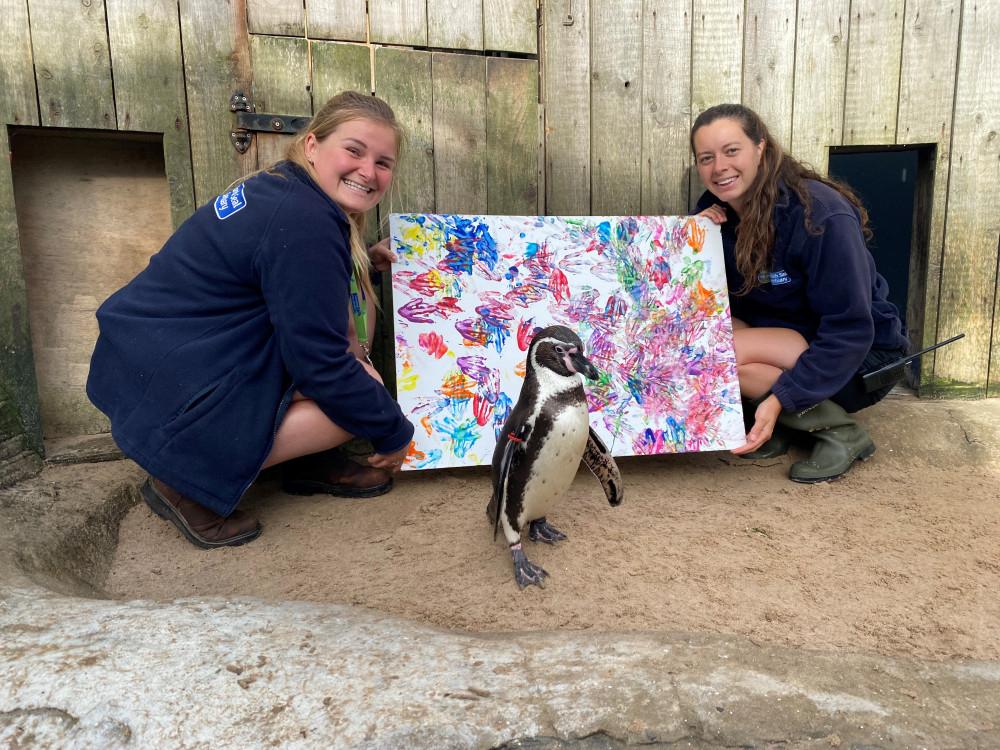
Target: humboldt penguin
540,446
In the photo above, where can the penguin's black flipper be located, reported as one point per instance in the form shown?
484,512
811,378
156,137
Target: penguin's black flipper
515,444
600,461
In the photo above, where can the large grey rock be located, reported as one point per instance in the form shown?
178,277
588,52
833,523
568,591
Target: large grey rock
78,672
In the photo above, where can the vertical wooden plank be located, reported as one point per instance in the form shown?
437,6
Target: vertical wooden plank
926,90
875,46
72,66
666,121
277,17
820,71
540,156
769,64
403,79
17,365
18,106
455,24
926,93
339,67
18,97
345,20
716,59
510,26
511,136
216,63
969,272
281,86
716,53
993,381
566,96
398,22
145,46
616,106
459,133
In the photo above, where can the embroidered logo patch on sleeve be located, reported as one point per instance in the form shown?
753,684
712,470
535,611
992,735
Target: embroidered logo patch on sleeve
229,203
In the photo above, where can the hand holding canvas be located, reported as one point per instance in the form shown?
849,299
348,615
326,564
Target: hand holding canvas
765,418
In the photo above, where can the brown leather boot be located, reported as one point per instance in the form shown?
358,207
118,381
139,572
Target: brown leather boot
202,527
331,472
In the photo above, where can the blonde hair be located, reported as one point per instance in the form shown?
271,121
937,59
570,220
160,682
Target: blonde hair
344,107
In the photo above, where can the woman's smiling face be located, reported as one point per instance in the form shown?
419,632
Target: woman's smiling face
354,163
727,160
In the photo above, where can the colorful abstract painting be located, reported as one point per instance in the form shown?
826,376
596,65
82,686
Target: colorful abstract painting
647,295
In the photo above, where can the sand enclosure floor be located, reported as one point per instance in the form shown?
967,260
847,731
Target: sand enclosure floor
900,556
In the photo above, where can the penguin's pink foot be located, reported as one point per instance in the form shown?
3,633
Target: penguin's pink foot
540,531
526,572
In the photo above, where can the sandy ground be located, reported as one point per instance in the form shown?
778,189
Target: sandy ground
900,556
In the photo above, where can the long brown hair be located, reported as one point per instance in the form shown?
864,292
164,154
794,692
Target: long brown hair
755,233
344,107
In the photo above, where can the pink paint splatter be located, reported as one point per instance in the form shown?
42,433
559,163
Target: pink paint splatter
433,344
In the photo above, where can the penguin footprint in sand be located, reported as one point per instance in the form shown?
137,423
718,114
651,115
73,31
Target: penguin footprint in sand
541,444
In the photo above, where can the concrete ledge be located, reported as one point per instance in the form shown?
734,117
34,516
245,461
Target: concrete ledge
249,673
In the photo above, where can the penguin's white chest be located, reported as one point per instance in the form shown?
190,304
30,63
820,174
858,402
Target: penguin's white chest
556,464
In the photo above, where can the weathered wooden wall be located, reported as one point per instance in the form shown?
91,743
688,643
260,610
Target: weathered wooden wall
462,75
624,79
519,106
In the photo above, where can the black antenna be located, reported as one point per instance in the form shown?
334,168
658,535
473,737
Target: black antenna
893,372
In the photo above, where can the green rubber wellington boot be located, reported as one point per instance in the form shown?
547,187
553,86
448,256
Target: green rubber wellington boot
781,437
840,441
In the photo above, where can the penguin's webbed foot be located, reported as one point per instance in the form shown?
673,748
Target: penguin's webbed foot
540,531
525,571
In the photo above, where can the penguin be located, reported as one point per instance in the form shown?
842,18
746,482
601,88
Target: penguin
541,444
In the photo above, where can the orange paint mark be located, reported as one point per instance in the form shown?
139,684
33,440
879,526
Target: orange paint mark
704,298
696,235
458,386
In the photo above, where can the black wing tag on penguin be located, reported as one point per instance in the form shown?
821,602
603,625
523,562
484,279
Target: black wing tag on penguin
541,444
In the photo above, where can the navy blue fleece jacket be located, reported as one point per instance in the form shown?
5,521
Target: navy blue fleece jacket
199,355
823,285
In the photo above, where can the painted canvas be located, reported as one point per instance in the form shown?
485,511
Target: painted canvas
647,295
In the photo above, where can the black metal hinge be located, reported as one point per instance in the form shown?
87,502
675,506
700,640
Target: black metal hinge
248,122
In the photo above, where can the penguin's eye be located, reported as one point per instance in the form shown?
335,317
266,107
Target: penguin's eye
560,350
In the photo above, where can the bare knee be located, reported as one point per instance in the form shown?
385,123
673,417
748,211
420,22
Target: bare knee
778,347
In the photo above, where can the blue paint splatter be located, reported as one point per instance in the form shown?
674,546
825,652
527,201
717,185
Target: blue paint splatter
469,244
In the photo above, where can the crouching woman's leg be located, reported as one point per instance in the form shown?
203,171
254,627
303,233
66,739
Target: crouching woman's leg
762,354
307,445
307,442
305,429
840,439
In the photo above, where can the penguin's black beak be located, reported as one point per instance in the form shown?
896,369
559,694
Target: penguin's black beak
579,363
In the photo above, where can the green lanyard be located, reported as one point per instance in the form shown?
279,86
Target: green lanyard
359,306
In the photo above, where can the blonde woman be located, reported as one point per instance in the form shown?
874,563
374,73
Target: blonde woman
240,346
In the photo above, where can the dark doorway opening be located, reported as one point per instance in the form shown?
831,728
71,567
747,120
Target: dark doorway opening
895,185
886,183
